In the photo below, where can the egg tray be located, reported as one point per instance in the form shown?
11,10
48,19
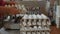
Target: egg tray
35,25
34,29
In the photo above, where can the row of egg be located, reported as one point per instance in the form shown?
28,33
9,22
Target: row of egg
10,5
36,23
8,0
34,28
33,16
18,6
35,33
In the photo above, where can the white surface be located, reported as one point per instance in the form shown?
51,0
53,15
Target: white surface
58,11
57,16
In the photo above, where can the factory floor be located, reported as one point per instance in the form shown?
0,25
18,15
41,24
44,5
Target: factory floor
54,30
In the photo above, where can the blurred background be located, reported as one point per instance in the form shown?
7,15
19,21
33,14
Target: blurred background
12,11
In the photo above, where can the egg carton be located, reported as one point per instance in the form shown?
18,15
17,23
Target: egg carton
35,23
18,6
35,28
25,22
35,20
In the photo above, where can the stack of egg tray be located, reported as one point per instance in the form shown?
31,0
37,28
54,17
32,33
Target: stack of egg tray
35,24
